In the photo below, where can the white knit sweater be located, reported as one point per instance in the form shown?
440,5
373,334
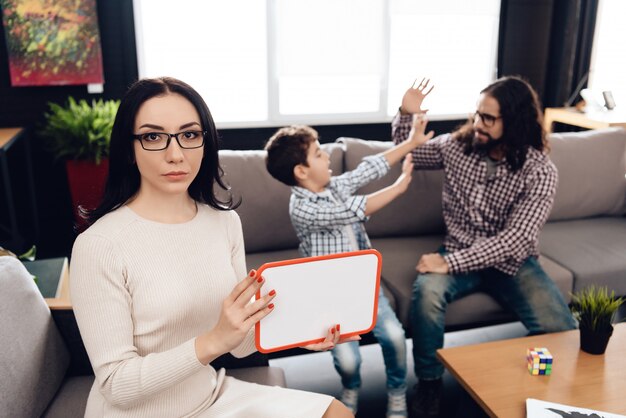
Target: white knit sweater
142,291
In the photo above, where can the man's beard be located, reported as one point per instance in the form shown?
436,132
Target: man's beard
484,147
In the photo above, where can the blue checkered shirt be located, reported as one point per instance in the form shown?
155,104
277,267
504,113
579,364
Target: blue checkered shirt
320,221
491,221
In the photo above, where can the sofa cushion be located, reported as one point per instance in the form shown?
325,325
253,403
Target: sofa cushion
71,399
33,357
418,211
591,167
593,249
400,256
265,201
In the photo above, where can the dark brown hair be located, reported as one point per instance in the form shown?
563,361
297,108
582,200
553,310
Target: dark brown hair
521,118
124,179
286,149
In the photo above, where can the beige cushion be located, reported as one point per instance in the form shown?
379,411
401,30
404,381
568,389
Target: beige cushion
416,212
591,167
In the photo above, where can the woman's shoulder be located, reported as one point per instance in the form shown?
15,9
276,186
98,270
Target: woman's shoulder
110,224
207,212
227,220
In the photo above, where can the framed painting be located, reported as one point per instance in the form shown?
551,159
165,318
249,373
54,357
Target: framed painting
52,42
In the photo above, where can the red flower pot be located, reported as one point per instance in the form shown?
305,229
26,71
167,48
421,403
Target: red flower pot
86,180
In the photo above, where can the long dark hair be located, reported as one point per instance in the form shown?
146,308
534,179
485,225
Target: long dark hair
123,180
521,117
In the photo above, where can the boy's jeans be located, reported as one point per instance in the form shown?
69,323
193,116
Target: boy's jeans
530,294
390,335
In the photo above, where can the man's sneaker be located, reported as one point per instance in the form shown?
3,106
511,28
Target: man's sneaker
425,402
350,398
396,403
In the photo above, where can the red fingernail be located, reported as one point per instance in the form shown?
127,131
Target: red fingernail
271,306
332,330
338,326
252,273
260,279
272,292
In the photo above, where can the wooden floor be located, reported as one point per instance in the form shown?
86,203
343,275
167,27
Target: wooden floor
315,372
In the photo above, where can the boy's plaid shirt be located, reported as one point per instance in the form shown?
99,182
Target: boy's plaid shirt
320,221
492,222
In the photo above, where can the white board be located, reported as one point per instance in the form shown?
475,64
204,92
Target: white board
313,294
543,409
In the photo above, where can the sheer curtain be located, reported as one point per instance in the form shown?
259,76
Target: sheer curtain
608,61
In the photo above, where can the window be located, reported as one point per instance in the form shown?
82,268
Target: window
608,62
275,62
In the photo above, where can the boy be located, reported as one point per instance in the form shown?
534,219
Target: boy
328,218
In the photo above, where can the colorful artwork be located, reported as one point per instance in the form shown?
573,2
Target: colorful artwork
52,42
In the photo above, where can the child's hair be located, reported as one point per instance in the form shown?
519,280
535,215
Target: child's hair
286,149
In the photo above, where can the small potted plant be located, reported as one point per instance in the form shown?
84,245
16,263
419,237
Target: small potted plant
80,133
595,310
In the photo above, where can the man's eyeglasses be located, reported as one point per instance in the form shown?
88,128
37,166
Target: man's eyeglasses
158,141
487,119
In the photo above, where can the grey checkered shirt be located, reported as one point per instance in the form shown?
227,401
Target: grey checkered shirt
320,221
491,222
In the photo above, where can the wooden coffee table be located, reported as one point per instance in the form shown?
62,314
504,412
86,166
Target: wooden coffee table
496,373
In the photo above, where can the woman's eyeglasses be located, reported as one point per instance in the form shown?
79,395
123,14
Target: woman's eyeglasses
158,141
487,119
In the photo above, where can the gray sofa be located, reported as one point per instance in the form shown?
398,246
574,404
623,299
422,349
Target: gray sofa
34,356
583,242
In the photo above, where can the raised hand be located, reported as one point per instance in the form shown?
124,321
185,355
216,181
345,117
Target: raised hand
402,183
333,338
418,128
415,95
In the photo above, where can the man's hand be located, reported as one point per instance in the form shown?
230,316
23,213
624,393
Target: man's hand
414,96
432,263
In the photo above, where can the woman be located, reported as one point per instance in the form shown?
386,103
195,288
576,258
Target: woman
156,279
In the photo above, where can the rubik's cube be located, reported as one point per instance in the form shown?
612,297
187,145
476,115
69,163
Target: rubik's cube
539,361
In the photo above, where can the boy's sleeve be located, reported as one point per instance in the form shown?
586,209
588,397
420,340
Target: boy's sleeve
371,168
310,216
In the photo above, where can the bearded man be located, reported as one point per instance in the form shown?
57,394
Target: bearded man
498,192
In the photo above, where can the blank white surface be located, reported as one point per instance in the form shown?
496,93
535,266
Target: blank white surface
313,296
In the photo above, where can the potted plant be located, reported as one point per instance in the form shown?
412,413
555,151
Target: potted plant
595,310
80,133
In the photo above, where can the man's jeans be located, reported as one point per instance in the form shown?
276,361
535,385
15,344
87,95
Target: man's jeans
530,294
390,335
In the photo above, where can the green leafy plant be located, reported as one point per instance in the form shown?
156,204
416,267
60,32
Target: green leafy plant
80,131
595,308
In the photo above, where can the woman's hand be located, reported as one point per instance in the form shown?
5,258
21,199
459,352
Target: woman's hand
332,339
238,315
414,96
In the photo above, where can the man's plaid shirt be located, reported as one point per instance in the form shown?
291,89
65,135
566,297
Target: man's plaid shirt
320,221
492,222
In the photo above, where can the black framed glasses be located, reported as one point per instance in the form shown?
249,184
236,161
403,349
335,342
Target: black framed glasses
487,119
158,141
